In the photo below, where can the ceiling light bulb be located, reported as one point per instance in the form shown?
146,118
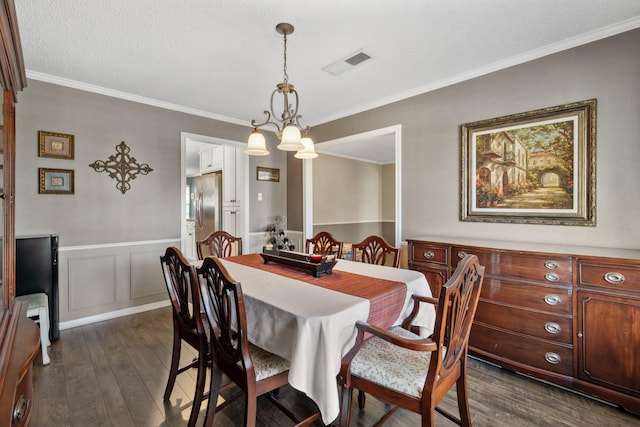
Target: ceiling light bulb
256,145
308,152
290,140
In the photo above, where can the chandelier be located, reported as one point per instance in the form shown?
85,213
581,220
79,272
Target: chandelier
293,137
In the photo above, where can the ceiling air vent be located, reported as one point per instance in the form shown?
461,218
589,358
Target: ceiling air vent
347,63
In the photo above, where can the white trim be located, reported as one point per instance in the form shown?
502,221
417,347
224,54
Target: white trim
245,201
563,45
116,245
369,221
307,178
112,315
36,75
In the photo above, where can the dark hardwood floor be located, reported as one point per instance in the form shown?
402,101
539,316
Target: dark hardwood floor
113,373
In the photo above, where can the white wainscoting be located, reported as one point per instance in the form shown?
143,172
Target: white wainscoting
99,282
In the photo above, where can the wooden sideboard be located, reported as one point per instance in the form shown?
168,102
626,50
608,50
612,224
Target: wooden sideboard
568,315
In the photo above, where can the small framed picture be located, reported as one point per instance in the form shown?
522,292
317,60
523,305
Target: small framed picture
55,181
268,174
55,145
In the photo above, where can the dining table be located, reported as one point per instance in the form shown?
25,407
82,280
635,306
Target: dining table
310,321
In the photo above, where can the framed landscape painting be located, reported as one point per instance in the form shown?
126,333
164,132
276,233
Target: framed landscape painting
536,167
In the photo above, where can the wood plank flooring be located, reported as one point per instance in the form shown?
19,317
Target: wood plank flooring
113,373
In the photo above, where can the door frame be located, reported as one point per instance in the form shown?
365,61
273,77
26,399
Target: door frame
244,173
307,177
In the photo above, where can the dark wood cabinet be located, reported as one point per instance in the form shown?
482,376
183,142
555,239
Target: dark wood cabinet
608,329
432,259
19,337
567,315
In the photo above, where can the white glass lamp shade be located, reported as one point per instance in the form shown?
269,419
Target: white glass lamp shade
257,144
308,152
290,140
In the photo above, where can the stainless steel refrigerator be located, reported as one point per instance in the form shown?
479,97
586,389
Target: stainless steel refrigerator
208,204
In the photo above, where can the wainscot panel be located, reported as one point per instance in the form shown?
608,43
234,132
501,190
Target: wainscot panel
98,280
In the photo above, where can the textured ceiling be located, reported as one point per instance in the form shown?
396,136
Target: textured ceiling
222,59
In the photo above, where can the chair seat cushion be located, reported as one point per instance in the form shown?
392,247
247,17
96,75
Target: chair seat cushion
391,366
266,364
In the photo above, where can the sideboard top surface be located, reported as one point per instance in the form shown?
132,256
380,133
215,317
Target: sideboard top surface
591,251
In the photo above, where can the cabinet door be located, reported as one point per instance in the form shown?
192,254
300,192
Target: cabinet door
230,219
190,250
229,179
608,340
211,159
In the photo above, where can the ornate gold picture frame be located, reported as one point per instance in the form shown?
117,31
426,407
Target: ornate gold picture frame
55,181
537,167
55,145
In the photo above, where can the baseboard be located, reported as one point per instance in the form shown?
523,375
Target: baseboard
112,315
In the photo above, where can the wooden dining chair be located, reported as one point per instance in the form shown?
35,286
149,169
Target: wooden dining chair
219,244
254,370
188,324
375,250
324,243
413,372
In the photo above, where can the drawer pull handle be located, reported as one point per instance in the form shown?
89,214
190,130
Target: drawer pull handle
552,277
552,299
20,409
428,254
551,265
614,278
553,358
552,328
462,254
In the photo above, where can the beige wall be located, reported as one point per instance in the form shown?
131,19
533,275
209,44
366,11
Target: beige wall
111,242
353,199
607,70
98,213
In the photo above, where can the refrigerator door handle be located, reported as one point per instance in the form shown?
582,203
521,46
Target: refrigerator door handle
199,210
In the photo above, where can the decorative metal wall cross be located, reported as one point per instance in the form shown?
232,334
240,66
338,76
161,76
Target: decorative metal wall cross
121,167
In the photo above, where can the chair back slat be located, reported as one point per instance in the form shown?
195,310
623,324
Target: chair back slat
219,244
456,309
324,243
375,250
182,284
224,305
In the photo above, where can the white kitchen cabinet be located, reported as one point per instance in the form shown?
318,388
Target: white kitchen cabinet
231,220
230,181
190,243
211,159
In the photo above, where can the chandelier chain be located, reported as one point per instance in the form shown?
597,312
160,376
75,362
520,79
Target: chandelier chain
286,76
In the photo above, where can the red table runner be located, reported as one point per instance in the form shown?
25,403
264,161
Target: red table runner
386,297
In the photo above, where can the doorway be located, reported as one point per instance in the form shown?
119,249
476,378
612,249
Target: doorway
191,146
376,144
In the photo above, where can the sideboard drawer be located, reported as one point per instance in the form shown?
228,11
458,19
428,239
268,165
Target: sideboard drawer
540,354
532,323
544,298
429,253
609,276
543,269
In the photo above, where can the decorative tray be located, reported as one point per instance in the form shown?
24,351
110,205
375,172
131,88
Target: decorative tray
300,260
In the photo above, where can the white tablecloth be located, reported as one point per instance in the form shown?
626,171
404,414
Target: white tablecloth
314,327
